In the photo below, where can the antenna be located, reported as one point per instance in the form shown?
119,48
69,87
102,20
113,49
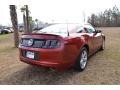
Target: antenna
84,16
67,28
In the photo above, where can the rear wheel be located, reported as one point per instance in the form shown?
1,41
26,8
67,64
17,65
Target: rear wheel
82,59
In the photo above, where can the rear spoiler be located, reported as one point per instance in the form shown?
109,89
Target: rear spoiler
40,34
50,34
43,34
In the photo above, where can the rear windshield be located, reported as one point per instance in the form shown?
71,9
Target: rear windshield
58,28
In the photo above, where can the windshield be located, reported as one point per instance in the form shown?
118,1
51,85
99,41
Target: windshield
58,29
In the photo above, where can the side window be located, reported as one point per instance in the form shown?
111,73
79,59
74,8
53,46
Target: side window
89,28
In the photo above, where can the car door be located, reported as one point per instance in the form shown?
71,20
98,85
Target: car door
99,39
92,38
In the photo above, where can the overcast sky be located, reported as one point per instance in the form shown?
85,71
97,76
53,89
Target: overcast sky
56,10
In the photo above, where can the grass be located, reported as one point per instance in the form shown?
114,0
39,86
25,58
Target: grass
4,36
6,43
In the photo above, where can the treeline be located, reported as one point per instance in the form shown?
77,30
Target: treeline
108,18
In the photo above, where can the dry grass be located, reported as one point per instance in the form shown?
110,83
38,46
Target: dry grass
103,67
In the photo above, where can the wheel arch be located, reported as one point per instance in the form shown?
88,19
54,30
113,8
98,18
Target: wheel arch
103,36
87,47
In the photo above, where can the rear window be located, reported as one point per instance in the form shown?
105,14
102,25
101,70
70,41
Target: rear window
58,28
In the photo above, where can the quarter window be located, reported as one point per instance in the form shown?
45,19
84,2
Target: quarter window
80,29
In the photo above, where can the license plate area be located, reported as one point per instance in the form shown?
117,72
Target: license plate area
30,54
34,55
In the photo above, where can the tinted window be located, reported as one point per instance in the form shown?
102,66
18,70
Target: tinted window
58,28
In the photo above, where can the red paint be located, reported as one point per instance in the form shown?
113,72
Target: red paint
65,56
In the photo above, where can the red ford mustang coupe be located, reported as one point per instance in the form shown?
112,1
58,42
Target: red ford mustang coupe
61,46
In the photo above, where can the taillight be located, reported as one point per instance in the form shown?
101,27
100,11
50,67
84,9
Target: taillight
47,44
51,44
40,43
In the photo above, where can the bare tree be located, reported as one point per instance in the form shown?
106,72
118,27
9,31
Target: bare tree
116,15
26,19
14,21
110,17
23,10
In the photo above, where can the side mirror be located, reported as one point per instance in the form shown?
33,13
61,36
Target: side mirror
98,31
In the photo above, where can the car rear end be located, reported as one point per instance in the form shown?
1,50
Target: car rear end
45,50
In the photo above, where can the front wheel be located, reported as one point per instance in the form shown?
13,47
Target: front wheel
103,45
82,59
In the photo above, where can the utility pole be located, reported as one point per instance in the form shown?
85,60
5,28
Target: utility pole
27,19
14,21
25,26
23,10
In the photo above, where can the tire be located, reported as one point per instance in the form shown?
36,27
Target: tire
82,59
3,32
103,45
6,32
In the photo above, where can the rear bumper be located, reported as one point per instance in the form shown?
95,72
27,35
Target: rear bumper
46,63
63,57
48,58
